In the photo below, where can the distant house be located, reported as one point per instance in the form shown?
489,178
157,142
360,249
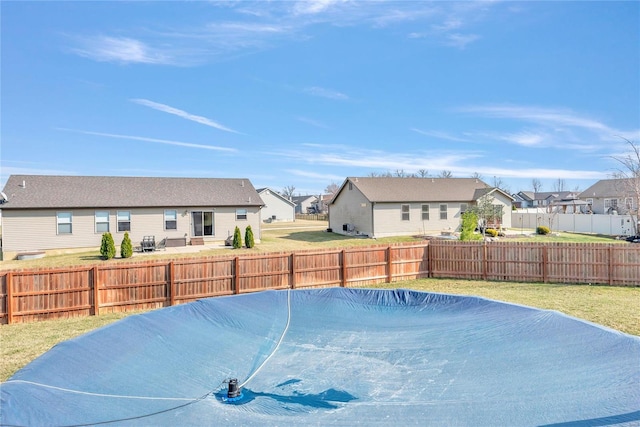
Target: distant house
63,213
611,196
529,199
304,204
276,207
383,206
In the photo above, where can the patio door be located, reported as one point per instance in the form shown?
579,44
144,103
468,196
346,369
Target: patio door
202,223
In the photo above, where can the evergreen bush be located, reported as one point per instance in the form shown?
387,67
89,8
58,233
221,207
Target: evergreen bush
237,238
126,248
108,246
542,230
469,224
249,241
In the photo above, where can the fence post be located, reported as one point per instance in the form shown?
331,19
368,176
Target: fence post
611,270
236,275
9,283
343,260
484,260
544,264
172,284
292,280
96,291
389,265
429,260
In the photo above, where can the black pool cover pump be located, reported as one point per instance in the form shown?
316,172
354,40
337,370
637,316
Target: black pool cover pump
233,392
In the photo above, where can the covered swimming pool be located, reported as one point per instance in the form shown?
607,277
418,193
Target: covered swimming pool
335,357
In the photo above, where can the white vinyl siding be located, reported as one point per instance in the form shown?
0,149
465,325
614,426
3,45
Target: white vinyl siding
64,222
102,222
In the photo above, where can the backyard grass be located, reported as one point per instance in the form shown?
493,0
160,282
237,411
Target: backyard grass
615,307
286,237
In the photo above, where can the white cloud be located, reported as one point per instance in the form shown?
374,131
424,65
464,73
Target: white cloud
326,93
312,122
120,49
180,113
441,135
315,175
155,140
460,40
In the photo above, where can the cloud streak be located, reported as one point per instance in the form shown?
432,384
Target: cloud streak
120,49
154,140
183,114
326,93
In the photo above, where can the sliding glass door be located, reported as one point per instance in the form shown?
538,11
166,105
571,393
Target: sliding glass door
202,223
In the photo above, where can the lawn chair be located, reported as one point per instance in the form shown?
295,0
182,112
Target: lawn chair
148,243
162,245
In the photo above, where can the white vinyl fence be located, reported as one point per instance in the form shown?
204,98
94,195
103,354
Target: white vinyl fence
614,225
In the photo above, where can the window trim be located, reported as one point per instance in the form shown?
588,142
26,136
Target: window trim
174,219
202,214
95,222
425,211
445,212
405,212
239,216
119,221
58,223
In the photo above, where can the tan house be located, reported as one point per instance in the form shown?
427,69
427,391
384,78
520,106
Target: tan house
389,206
67,213
612,196
276,207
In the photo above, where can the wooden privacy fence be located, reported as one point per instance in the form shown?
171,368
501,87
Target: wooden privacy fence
31,295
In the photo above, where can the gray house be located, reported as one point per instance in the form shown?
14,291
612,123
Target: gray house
276,207
384,206
66,213
612,196
305,203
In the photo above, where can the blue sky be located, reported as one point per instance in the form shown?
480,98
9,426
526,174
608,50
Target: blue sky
305,94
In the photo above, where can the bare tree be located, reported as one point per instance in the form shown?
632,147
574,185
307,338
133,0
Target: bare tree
499,183
536,184
332,188
477,175
445,174
288,191
559,185
628,175
423,173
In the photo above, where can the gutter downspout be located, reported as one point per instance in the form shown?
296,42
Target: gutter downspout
373,231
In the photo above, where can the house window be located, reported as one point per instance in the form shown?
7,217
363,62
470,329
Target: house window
102,221
64,220
628,203
589,202
170,220
425,212
202,223
241,214
610,203
443,211
463,208
124,221
350,186
405,212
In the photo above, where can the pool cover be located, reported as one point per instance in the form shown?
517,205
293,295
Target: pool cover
335,357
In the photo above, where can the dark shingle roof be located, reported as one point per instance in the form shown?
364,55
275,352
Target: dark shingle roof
384,189
47,191
607,188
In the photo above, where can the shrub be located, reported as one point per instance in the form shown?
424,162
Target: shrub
469,224
491,232
237,238
126,248
542,230
248,238
108,246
